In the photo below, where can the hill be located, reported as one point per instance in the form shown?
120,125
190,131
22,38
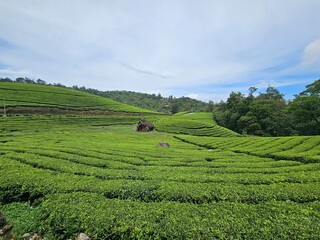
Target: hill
153,102
22,97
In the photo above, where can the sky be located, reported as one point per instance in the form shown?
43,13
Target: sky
203,49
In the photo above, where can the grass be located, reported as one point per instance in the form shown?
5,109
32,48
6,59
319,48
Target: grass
96,174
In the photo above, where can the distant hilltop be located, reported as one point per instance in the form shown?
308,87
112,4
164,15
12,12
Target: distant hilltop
17,97
152,102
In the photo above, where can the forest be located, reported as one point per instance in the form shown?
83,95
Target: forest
269,114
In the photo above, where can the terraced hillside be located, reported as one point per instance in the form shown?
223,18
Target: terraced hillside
112,182
40,123
304,149
198,116
19,96
199,124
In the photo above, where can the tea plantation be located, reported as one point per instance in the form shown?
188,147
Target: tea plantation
81,166
62,175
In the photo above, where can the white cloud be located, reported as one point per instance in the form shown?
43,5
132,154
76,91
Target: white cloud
311,54
10,72
213,96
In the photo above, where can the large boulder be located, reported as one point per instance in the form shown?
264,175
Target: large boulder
145,126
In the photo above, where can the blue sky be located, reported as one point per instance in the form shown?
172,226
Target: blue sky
198,48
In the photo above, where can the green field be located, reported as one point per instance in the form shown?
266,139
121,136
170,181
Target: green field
62,175
20,96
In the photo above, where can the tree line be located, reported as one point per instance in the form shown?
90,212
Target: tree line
170,105
269,114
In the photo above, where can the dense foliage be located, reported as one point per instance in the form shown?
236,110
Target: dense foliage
62,175
306,109
269,114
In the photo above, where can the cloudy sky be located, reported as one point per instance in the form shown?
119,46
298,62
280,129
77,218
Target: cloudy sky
198,48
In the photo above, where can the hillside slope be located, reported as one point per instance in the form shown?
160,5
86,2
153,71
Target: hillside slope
198,124
19,96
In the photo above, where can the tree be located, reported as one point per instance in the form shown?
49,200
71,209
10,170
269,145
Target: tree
313,88
210,106
306,106
271,93
249,125
6,79
252,90
237,106
174,108
28,80
42,82
59,85
20,80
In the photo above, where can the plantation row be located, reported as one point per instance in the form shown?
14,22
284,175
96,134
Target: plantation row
302,149
63,215
182,174
199,116
39,182
33,95
51,122
122,160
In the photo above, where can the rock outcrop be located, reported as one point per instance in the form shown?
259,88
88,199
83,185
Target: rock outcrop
145,126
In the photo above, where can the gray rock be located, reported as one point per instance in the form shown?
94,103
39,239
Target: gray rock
27,235
82,236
